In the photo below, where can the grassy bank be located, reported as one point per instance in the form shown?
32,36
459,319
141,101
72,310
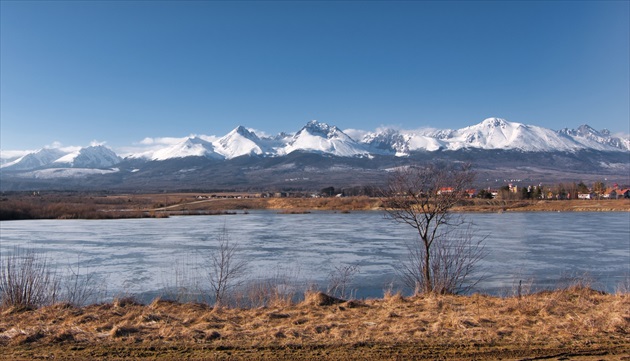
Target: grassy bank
576,321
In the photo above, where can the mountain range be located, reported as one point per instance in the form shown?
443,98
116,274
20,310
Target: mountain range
318,141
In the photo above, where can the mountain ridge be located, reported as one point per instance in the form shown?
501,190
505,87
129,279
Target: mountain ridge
322,138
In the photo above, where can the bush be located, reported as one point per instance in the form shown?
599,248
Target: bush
26,280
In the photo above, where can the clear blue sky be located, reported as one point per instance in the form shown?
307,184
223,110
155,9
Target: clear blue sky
120,71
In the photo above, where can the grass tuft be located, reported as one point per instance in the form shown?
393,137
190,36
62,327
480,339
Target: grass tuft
320,299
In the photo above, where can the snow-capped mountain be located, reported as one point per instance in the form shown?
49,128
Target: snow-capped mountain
236,143
242,141
320,155
189,147
38,159
387,141
497,133
322,138
97,156
592,138
390,141
89,157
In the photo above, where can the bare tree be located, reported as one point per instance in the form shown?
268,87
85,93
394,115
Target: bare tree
226,268
445,253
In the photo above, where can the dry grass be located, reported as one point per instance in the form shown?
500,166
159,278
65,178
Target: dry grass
493,206
98,206
577,318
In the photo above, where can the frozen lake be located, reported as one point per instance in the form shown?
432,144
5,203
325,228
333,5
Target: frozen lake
141,256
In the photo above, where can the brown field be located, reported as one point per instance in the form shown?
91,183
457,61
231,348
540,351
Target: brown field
98,206
577,323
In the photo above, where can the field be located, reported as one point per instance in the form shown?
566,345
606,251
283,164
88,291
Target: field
576,323
103,206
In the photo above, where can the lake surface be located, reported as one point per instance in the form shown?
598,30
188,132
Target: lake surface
142,256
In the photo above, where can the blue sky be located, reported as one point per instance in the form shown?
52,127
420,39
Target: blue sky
119,71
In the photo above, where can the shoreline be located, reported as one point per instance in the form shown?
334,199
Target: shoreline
112,206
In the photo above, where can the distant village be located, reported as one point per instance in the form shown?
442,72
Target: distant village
562,191
510,191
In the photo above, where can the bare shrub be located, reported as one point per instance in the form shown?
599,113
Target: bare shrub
281,289
225,268
452,260
80,287
623,287
26,280
184,286
340,281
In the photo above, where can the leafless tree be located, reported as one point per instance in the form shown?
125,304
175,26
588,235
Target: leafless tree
226,268
443,256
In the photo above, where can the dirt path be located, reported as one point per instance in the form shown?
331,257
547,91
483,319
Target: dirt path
365,352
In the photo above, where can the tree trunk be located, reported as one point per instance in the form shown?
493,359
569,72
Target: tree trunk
428,287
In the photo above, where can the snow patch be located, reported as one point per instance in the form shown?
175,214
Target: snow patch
53,173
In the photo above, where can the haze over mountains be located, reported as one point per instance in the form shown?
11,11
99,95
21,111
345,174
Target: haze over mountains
317,143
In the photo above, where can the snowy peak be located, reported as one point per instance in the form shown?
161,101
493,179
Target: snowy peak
324,130
401,143
38,159
388,140
238,142
322,138
490,133
585,131
497,133
97,156
592,138
89,157
244,132
493,133
190,147
492,123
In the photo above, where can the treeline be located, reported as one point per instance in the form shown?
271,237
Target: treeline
34,208
367,191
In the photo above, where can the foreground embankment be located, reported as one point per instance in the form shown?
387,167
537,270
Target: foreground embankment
103,206
571,324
